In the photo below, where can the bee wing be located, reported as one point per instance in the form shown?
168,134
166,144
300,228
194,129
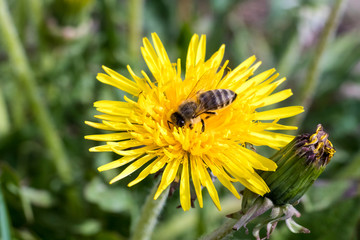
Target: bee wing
200,85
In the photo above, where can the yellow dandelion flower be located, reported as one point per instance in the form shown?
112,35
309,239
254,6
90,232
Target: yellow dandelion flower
146,136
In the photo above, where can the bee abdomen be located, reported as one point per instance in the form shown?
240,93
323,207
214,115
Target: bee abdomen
216,99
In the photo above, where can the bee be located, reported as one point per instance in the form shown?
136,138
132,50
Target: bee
205,103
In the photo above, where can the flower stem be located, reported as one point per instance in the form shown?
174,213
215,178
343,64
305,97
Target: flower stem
4,221
135,27
149,214
222,231
312,79
27,82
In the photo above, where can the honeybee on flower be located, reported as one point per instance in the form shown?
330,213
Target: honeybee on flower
155,132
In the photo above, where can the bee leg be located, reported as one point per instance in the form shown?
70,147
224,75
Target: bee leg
209,113
191,126
203,125
168,122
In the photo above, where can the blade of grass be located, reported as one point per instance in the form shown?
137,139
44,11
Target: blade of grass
4,116
312,79
4,220
26,81
135,27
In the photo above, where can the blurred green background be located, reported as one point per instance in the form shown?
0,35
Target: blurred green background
49,181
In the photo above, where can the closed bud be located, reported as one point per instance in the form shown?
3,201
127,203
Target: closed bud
299,164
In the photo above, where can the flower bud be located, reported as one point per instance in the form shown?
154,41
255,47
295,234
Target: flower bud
299,165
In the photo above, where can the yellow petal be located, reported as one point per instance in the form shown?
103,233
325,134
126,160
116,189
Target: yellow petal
201,50
132,151
195,178
109,136
132,167
111,118
150,57
118,81
276,126
249,180
247,63
207,182
141,82
116,126
271,139
160,162
168,176
111,104
284,112
191,53
99,125
258,162
144,173
118,163
161,52
241,89
238,71
101,148
116,111
222,176
185,199
264,89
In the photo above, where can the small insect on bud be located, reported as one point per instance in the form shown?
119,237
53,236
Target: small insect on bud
299,164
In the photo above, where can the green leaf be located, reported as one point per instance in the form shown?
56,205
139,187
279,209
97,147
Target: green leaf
38,197
108,198
88,227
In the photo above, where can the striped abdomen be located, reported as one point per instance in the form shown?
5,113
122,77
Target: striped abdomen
216,99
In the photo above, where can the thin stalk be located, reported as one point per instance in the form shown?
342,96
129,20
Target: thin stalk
135,27
26,81
312,79
4,116
36,13
149,214
4,219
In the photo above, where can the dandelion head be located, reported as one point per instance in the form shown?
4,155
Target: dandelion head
155,133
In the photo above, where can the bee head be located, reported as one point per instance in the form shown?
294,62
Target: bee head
177,119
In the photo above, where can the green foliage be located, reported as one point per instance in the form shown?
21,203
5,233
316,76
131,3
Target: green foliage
65,59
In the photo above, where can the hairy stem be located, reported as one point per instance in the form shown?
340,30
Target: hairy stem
149,214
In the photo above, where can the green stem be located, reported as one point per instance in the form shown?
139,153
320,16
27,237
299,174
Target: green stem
36,13
27,82
135,27
4,116
312,79
149,214
4,220
222,231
